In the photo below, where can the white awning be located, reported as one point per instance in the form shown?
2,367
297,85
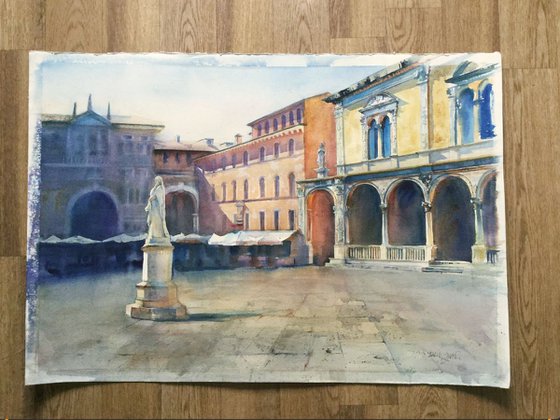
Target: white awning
252,237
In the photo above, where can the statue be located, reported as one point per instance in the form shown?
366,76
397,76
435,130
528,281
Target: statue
157,228
322,171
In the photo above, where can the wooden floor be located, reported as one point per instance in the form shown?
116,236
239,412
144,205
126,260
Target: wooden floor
525,31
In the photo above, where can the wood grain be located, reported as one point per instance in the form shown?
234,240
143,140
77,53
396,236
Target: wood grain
527,33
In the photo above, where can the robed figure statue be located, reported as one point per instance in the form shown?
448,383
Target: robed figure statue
157,229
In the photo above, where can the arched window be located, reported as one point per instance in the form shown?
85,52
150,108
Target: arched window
223,191
246,190
261,187
177,160
386,133
276,150
233,161
233,190
291,117
373,135
466,119
298,115
165,157
224,163
275,124
259,130
283,121
291,147
245,158
266,127
292,184
485,105
262,154
276,186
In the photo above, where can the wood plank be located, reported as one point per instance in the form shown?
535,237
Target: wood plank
22,24
412,30
13,147
14,397
357,19
133,25
359,45
76,25
301,26
309,401
412,4
424,401
485,403
188,25
528,33
243,26
470,26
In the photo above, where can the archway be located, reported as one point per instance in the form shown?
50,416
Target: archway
453,220
406,218
320,229
490,212
94,215
179,210
364,216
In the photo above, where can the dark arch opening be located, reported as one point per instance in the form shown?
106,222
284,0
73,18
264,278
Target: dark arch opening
94,216
179,210
490,213
453,220
406,218
320,225
364,216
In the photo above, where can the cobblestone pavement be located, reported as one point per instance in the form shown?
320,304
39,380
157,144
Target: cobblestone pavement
293,324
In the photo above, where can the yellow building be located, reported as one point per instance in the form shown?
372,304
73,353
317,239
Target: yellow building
252,184
419,150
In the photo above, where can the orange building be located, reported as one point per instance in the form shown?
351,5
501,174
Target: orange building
251,185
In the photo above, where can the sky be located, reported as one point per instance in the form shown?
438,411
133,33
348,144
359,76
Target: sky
194,96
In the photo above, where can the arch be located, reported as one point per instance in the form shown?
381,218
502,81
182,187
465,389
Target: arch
262,153
489,209
364,215
435,183
485,110
406,221
386,136
234,161
93,215
283,121
291,117
234,190
320,224
259,130
266,127
180,208
276,186
299,115
245,158
394,184
291,147
262,190
373,135
224,192
276,150
275,124
453,220
246,189
224,163
466,116
292,184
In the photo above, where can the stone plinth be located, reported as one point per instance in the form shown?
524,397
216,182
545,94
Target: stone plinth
156,294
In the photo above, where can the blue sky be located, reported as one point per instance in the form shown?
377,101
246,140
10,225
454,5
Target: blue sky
194,96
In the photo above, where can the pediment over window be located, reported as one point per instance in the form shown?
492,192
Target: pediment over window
379,101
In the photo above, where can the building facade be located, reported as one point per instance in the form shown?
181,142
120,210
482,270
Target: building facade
96,172
252,184
418,177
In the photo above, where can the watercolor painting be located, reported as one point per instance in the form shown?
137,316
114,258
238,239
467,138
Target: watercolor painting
266,218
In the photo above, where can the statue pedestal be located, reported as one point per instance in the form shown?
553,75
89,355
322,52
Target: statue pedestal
156,294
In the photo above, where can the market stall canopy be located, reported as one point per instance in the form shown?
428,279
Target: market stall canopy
252,237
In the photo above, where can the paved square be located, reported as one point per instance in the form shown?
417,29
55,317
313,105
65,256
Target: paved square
286,325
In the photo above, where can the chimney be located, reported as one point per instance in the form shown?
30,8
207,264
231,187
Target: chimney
108,110
238,138
74,111
89,106
210,142
178,138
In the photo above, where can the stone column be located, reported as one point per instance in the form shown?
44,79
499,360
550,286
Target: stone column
365,140
195,223
451,93
479,247
339,209
384,231
339,123
431,249
424,134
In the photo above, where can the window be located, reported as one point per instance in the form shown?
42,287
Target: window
292,184
291,117
92,143
298,115
177,157
485,104
275,124
262,153
266,127
292,219
233,190
261,187
223,191
386,133
246,221
261,220
245,158
291,147
259,130
283,121
224,163
276,186
276,219
246,190
276,150
165,157
373,135
466,120
233,161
